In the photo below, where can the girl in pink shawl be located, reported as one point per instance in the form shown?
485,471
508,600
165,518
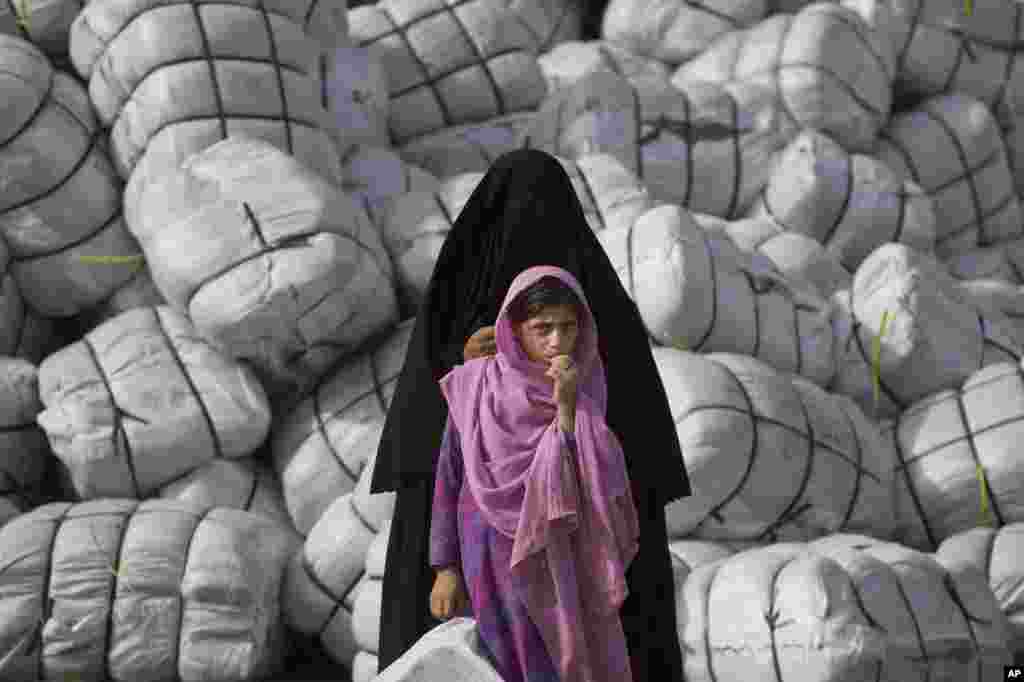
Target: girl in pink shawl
536,518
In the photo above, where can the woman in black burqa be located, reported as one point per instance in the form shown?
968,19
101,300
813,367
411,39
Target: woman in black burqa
523,213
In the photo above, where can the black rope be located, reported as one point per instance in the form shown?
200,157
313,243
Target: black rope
179,630
279,77
108,634
45,592
211,68
321,428
44,99
961,154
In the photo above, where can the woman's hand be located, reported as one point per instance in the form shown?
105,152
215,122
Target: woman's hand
565,374
482,344
449,594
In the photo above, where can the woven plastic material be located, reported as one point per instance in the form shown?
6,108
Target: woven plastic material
935,334
23,446
698,291
248,68
772,457
450,62
269,259
951,147
322,446
851,203
845,608
376,176
143,399
832,71
60,199
157,590
568,62
950,445
469,148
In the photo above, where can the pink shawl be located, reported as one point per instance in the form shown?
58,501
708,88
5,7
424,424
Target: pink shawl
564,518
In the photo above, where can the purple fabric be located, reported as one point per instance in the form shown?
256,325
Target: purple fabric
571,519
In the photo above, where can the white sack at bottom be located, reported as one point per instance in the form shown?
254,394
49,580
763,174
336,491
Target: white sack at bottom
451,652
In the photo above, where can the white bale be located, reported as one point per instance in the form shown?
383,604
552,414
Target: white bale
844,608
156,590
419,222
143,399
832,70
797,256
60,198
322,446
376,176
686,555
998,555
771,456
354,89
850,203
1004,261
267,258
568,62
696,290
955,445
935,334
139,56
951,147
448,66
469,148
451,651
245,483
23,447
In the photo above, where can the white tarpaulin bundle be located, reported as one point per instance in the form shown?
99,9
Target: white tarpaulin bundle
324,578
698,291
23,446
798,257
244,483
143,399
771,456
935,334
951,147
832,71
957,457
709,147
23,333
354,90
279,266
469,148
60,198
851,203
1004,261
450,64
999,555
247,68
376,176
157,590
321,447
843,608
419,222
566,63
451,651
366,614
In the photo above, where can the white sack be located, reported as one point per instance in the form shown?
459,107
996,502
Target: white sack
851,203
270,260
60,198
450,65
23,447
322,446
832,70
157,590
697,291
771,456
143,399
451,651
949,446
568,62
376,176
469,148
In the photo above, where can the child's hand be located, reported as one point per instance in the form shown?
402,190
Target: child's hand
565,374
449,594
481,344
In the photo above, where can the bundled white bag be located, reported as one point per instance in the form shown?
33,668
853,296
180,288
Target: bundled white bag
844,608
998,555
376,176
23,446
449,66
244,483
321,447
143,399
951,147
60,198
156,590
833,72
276,264
248,69
935,334
451,651
469,148
957,457
696,290
851,203
771,456
567,63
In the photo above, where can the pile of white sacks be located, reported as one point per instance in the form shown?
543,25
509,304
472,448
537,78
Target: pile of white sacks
237,207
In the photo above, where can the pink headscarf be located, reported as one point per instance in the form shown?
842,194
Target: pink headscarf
526,485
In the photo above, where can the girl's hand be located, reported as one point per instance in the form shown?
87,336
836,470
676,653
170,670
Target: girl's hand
482,344
565,374
449,594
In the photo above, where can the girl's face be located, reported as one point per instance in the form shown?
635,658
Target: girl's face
553,331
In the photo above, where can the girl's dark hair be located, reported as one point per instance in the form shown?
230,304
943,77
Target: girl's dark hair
544,292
